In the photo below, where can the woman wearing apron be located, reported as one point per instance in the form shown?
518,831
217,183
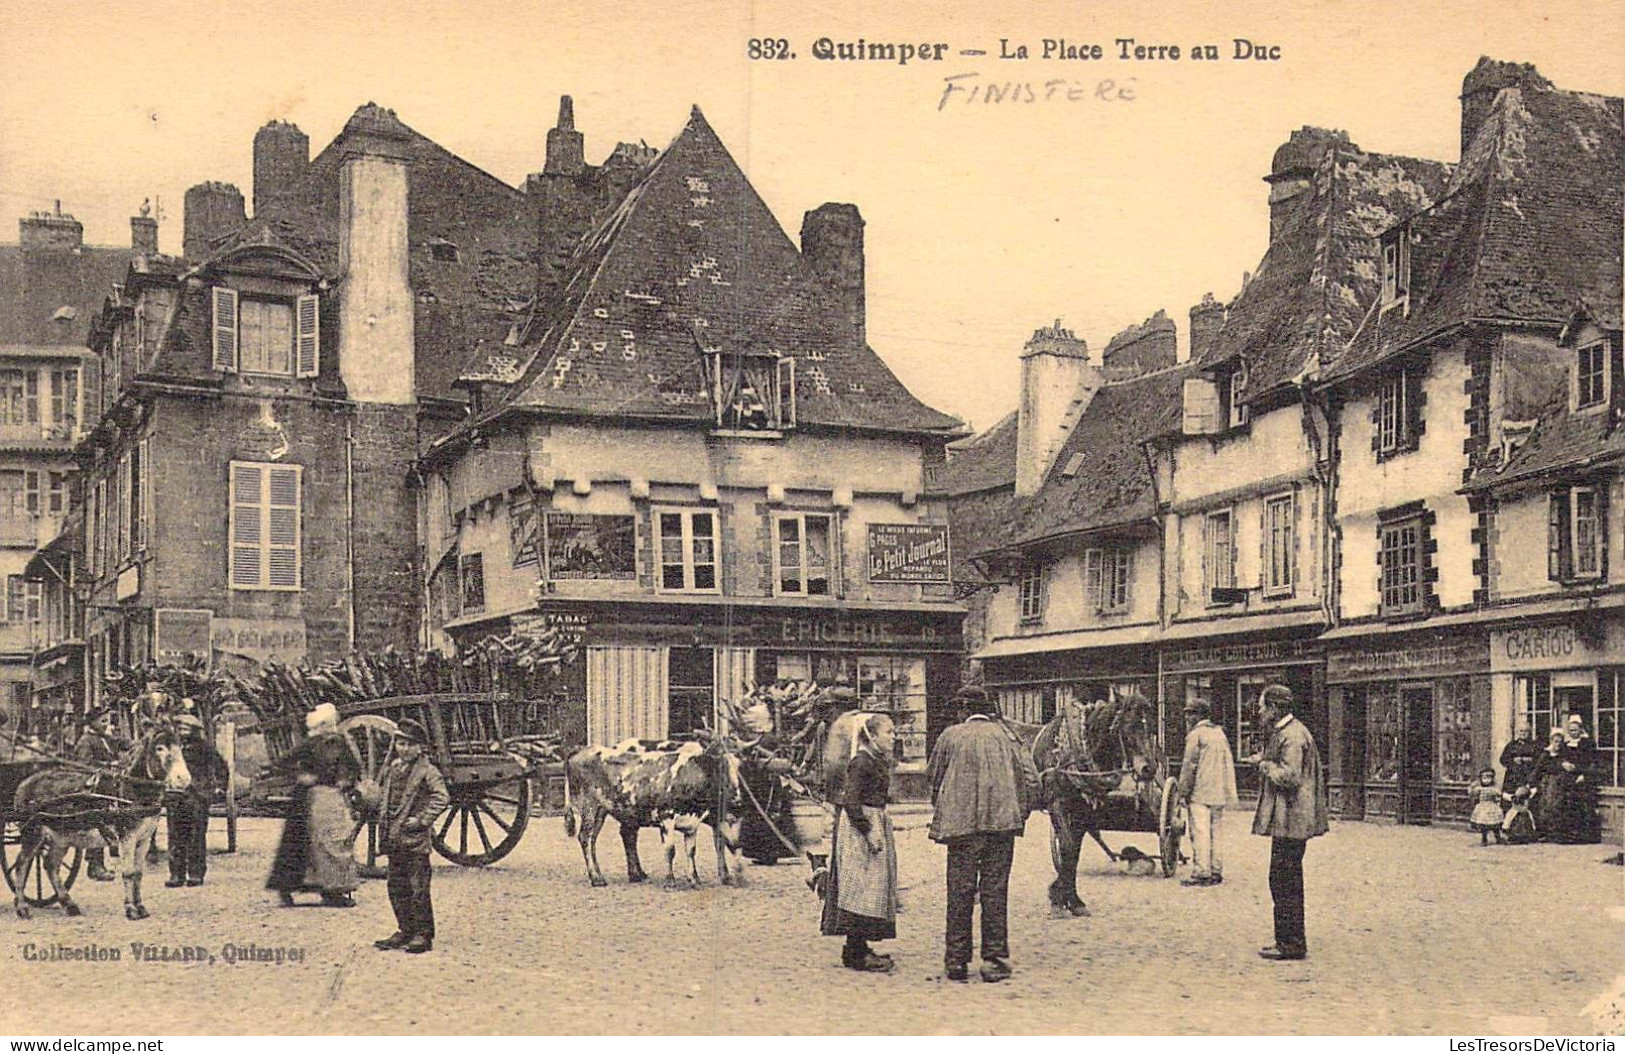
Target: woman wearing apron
861,902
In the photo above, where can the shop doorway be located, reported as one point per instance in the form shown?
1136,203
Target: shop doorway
1416,757
690,689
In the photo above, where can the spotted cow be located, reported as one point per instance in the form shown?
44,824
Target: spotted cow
673,786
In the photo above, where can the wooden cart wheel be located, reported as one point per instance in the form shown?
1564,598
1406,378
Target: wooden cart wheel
36,888
1170,827
483,822
371,740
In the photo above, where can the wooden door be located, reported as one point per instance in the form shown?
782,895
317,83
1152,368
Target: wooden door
1416,765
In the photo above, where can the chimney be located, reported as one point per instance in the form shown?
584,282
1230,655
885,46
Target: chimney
832,243
281,155
1152,345
212,211
50,231
144,232
376,333
1206,320
566,148
1057,383
1292,169
1483,83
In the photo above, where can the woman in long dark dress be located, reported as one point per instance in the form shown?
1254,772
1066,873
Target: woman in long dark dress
861,901
1547,779
314,854
1578,822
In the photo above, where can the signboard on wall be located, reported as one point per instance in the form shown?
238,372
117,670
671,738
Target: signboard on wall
260,639
180,635
908,552
586,547
572,625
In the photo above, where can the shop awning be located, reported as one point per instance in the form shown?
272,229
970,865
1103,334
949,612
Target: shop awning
1518,612
1226,627
1069,641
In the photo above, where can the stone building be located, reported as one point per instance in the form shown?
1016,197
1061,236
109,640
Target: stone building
691,458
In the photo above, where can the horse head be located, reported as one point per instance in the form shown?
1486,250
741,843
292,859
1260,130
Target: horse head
1135,726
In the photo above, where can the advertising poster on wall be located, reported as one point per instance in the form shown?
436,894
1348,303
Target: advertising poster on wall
908,552
591,548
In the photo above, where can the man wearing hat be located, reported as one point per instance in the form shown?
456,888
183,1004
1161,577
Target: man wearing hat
1291,810
98,746
1207,782
187,807
414,793
983,785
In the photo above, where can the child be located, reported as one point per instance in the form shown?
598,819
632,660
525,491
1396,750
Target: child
1486,816
1519,825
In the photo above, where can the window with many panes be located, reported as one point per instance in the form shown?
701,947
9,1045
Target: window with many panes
265,526
1219,551
1106,574
1391,413
65,401
1610,738
1402,566
270,337
19,397
803,554
1577,533
1280,551
1591,376
471,573
1030,592
689,551
1585,512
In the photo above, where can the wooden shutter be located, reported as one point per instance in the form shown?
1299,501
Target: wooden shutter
1604,538
282,543
1093,578
247,525
124,511
1201,406
144,489
1558,557
31,490
225,329
787,393
307,336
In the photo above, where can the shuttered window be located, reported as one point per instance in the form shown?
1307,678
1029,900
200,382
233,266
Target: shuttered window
1106,576
1280,550
1030,593
225,329
307,338
1577,534
1219,551
31,492
265,526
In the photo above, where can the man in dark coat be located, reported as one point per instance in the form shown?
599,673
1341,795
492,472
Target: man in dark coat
1292,809
99,747
187,809
414,793
983,785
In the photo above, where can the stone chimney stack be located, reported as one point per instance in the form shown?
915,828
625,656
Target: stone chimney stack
1483,83
50,230
1293,168
1057,383
212,210
376,306
281,155
1206,320
143,234
566,147
832,243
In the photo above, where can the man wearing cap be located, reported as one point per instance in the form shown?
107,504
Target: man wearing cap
187,807
1291,810
983,785
98,746
414,793
1207,783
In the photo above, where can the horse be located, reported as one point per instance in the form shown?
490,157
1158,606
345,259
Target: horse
63,805
1082,755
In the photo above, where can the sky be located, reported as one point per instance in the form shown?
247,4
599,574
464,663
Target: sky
984,220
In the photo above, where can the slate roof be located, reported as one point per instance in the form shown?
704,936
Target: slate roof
1529,227
692,259
36,283
985,461
1110,484
1561,440
1322,269
493,227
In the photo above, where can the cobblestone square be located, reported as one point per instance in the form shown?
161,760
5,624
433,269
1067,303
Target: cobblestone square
1412,930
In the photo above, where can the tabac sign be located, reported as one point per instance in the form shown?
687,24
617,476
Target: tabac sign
908,552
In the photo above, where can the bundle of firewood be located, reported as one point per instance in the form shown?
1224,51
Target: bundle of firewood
789,720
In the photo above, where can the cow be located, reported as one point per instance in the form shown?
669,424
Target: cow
673,786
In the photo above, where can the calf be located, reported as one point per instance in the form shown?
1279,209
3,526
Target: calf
675,787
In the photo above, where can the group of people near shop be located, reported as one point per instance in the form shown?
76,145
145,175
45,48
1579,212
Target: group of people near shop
1547,794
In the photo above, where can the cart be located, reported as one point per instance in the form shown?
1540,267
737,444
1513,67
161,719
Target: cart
488,747
1133,811
34,886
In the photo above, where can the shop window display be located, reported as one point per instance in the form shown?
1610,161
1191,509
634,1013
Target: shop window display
1454,731
1384,733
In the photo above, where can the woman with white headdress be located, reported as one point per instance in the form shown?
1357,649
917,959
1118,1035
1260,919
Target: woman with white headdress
315,852
860,903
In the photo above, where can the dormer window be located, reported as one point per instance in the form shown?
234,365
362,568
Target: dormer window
443,251
1234,391
1396,266
269,337
1591,376
752,392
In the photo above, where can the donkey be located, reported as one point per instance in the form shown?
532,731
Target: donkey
1082,755
61,806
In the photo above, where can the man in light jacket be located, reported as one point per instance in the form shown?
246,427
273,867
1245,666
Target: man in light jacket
983,785
1207,782
414,793
1291,810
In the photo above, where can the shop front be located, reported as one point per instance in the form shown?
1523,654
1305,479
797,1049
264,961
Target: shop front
657,669
1229,675
1409,722
1031,687
1543,670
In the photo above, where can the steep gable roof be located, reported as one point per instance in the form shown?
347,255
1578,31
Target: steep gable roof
1321,270
37,284
692,260
1530,225
981,462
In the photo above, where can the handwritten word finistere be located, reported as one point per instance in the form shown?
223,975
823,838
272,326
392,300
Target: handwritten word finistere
967,89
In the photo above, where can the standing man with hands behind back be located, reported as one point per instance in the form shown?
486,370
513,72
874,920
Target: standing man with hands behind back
414,793
1291,810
